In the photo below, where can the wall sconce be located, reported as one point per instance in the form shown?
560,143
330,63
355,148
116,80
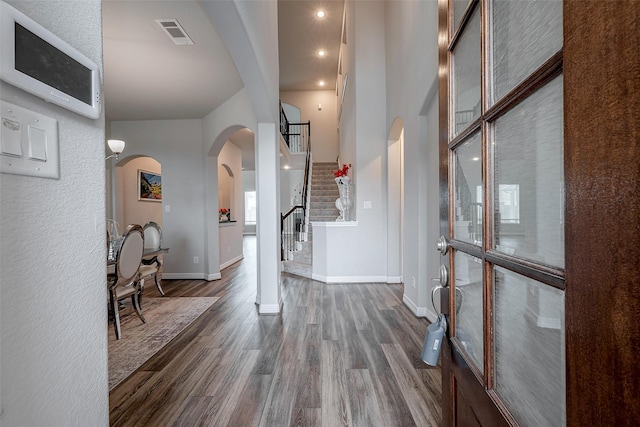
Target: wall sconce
116,146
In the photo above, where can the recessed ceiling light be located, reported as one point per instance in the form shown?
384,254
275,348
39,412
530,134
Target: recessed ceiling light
475,159
321,13
286,166
322,52
321,83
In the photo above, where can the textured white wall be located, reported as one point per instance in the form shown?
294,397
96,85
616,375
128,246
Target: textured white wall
53,329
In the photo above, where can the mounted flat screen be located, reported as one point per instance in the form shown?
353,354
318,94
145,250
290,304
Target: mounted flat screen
36,60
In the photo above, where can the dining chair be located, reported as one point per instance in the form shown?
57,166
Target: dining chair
125,282
152,240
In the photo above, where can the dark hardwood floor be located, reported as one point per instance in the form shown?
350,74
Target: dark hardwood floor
336,355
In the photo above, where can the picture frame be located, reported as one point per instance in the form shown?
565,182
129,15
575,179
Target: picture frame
149,186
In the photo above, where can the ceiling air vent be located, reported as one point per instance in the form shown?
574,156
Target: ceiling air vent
175,31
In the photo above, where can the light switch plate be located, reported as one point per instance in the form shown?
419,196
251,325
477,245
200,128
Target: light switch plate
29,143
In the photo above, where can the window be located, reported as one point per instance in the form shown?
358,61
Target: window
509,203
249,207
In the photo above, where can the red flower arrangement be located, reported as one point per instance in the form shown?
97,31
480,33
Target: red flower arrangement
342,172
223,211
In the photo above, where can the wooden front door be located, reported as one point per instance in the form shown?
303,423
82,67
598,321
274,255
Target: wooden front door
540,189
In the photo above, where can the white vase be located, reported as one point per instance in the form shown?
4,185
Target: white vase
344,202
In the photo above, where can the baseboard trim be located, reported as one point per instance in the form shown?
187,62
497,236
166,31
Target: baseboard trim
349,279
213,276
270,309
184,276
231,262
394,279
419,311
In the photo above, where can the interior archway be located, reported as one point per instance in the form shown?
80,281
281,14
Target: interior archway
229,163
134,202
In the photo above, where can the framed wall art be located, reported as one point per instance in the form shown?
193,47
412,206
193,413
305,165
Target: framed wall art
149,186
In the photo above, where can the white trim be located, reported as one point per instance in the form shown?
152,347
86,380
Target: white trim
330,224
232,261
349,279
394,279
183,276
213,276
419,311
270,308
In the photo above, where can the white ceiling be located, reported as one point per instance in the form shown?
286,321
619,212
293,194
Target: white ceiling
148,77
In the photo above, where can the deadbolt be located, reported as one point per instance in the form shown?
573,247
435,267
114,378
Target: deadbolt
444,276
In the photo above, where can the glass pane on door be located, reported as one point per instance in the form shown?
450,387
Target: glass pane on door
459,6
469,305
525,34
529,353
468,191
466,75
529,178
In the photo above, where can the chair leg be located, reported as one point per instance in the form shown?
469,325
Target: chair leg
135,300
155,277
116,315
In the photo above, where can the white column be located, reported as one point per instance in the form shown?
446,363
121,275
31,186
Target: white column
268,217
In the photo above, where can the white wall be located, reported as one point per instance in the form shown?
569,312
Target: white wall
53,328
324,122
177,145
250,31
130,210
390,58
218,126
411,63
230,245
363,143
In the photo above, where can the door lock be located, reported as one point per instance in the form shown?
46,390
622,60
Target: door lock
442,245
443,282
444,276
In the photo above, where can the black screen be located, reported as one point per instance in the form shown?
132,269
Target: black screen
44,62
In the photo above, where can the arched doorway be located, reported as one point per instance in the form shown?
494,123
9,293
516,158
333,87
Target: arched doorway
230,162
131,203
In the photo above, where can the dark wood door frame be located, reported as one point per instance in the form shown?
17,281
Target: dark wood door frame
602,170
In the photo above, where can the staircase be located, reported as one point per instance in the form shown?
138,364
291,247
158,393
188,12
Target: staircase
323,195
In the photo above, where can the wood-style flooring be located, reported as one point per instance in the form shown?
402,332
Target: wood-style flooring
337,355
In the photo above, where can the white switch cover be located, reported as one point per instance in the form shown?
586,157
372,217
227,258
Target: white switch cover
29,143
367,204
